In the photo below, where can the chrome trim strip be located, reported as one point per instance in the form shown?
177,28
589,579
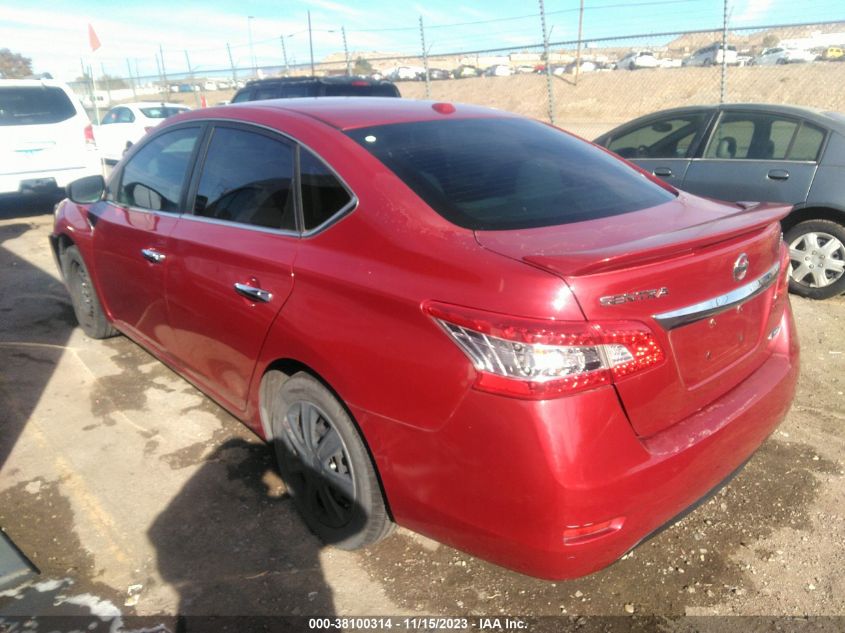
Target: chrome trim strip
238,225
710,307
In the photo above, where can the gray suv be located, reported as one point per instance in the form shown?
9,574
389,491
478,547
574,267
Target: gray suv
768,153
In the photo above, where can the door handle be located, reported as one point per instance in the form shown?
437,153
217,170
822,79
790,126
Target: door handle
252,293
778,174
662,172
152,255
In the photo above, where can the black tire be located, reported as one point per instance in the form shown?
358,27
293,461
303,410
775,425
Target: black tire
337,491
799,240
83,296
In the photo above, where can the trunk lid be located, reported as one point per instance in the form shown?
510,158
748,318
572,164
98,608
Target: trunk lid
671,267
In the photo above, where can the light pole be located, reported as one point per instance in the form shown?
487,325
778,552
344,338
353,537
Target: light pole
249,20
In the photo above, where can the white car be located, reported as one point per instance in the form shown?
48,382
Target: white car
498,70
46,138
126,124
780,55
637,59
406,73
712,56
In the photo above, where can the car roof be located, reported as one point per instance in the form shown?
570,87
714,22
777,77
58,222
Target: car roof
831,120
347,113
308,79
150,104
21,83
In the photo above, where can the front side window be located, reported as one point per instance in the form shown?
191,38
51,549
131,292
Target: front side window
154,177
666,138
247,178
751,136
503,173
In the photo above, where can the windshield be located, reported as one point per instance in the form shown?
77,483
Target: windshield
35,105
495,174
161,112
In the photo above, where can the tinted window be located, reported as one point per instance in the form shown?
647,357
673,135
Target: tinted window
322,193
667,138
362,90
751,136
508,173
161,112
34,105
247,178
111,116
153,178
242,95
125,115
807,143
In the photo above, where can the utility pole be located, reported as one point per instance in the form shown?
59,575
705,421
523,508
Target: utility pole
249,20
163,69
232,66
724,80
165,89
89,86
425,61
551,98
131,79
345,50
191,77
285,54
580,31
310,44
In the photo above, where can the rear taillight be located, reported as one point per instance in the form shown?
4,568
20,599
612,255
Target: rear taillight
89,135
782,283
537,359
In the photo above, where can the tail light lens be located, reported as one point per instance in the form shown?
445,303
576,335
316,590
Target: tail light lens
782,284
537,359
89,135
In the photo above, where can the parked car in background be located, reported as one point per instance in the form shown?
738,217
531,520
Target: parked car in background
124,125
438,73
406,73
770,153
321,267
778,55
586,66
833,53
498,70
293,87
46,138
669,62
712,56
524,70
463,71
637,59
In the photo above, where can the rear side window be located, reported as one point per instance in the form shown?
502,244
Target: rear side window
323,195
807,143
751,136
153,178
495,174
361,90
666,138
242,95
246,178
35,105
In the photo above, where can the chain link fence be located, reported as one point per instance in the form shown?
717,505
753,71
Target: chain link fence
587,85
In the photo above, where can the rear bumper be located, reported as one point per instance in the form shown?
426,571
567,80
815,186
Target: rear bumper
505,479
46,181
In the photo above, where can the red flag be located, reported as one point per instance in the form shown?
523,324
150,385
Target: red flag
93,39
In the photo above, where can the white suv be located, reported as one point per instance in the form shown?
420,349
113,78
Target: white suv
46,139
712,56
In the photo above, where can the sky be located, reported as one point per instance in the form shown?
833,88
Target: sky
55,34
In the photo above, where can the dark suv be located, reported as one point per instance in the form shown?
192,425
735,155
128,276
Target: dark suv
292,87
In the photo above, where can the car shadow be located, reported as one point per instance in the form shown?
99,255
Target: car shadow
36,321
233,545
26,206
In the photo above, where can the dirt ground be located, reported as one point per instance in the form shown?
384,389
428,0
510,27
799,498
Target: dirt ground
136,495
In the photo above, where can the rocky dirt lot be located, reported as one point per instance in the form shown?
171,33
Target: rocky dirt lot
136,495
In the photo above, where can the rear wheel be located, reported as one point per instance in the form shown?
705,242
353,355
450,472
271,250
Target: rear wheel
83,296
816,258
325,465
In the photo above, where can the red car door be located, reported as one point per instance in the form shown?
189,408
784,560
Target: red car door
233,263
132,248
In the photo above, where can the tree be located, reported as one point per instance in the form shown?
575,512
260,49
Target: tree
14,65
362,67
111,82
770,40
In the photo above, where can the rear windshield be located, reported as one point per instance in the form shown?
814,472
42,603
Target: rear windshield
35,105
161,112
362,90
497,174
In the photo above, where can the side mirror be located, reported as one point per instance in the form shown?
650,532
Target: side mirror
86,190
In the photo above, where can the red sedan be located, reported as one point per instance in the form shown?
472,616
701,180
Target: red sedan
452,318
